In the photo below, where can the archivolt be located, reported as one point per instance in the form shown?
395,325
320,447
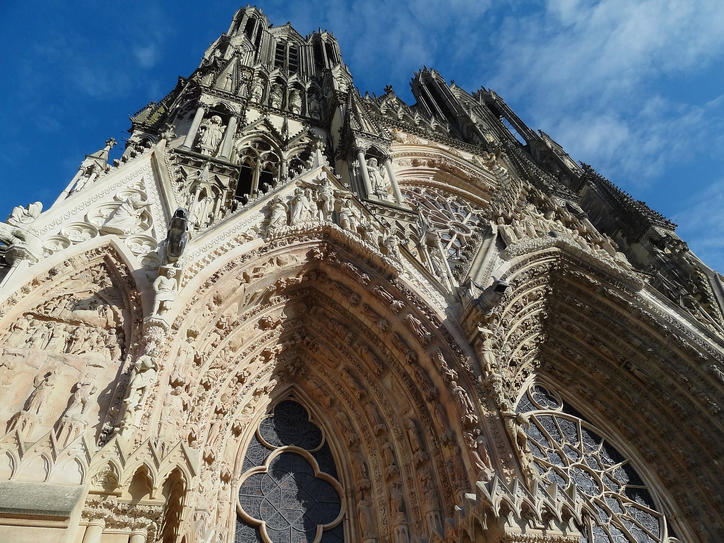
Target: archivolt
352,339
591,332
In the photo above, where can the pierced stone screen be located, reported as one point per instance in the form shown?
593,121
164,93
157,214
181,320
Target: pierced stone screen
567,451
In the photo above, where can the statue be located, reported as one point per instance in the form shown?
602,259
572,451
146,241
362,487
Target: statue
378,180
143,377
124,220
314,109
299,206
43,384
486,351
277,213
73,420
295,102
165,287
276,97
22,216
326,198
257,91
348,219
177,235
211,132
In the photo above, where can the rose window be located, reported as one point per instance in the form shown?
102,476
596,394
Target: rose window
456,222
569,451
289,491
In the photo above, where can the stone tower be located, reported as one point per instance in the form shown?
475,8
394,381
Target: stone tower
290,312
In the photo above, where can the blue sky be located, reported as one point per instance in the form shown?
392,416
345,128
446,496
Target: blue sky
634,88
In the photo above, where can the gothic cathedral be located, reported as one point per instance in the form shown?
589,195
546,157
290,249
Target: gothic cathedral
294,313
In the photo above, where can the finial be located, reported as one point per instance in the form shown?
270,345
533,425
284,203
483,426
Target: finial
111,143
388,89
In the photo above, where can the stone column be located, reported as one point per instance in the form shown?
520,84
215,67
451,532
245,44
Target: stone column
255,180
365,173
93,531
138,536
191,136
228,138
393,181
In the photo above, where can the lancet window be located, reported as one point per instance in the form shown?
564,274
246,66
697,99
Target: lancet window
260,165
570,452
289,490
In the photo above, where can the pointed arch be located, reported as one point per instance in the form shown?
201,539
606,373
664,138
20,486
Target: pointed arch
301,314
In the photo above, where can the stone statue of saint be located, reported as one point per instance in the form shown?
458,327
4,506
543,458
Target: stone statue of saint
165,287
144,375
295,102
257,91
277,213
299,206
276,97
314,109
44,385
73,420
211,132
378,180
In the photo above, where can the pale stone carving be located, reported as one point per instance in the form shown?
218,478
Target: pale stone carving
21,216
295,101
211,132
300,207
73,421
143,377
378,179
165,287
125,219
277,213
276,96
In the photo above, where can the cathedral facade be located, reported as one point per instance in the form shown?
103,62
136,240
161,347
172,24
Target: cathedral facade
291,313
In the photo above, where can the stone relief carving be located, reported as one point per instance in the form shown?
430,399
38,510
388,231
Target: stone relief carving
211,132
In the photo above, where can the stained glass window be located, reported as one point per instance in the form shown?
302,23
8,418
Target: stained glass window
569,451
284,498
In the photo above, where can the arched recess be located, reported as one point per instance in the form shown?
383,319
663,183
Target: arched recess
589,329
375,364
68,330
570,452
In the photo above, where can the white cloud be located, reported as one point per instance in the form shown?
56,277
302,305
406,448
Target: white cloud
147,56
701,224
593,74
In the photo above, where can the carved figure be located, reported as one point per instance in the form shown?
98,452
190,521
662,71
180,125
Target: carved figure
43,388
326,199
257,91
300,206
277,213
295,102
165,287
20,215
366,520
144,376
210,133
276,97
125,218
73,420
314,109
347,216
378,179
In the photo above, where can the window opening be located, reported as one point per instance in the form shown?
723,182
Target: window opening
282,497
569,451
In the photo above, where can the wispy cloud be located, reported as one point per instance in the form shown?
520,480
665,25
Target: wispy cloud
586,71
147,55
701,223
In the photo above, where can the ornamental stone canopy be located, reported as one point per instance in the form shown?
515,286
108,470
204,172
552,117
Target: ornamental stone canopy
291,312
